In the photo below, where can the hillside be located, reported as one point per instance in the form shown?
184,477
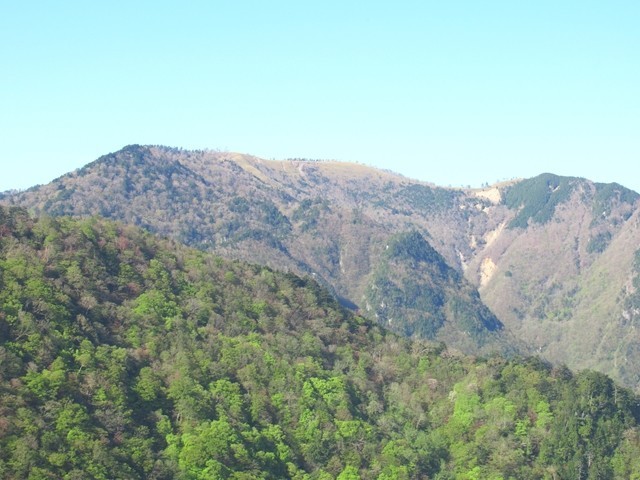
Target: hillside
561,272
126,356
311,218
552,257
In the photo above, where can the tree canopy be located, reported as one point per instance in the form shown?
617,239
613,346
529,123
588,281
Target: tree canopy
127,356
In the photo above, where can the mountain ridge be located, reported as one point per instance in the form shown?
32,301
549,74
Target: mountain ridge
332,221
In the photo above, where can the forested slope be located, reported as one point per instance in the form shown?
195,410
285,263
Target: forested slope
125,356
551,257
325,219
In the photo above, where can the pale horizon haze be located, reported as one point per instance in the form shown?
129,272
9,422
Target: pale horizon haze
454,93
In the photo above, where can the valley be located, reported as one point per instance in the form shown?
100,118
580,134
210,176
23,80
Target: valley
551,257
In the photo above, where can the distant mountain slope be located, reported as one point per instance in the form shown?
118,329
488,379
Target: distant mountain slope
314,218
126,356
414,291
551,256
560,271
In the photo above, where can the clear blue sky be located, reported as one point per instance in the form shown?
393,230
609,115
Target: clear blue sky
452,92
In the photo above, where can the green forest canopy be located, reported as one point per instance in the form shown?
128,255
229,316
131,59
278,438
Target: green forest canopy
126,356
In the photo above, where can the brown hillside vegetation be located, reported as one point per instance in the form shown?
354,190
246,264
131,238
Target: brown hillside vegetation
553,257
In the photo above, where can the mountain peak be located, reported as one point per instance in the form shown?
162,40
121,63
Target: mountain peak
533,258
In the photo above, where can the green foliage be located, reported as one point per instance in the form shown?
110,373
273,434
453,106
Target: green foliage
536,199
599,242
331,220
412,247
632,299
414,292
326,219
428,199
308,213
125,356
608,194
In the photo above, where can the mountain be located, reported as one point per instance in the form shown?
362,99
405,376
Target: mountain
552,257
311,218
412,285
123,355
561,272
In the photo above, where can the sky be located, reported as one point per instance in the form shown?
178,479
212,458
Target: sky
452,92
